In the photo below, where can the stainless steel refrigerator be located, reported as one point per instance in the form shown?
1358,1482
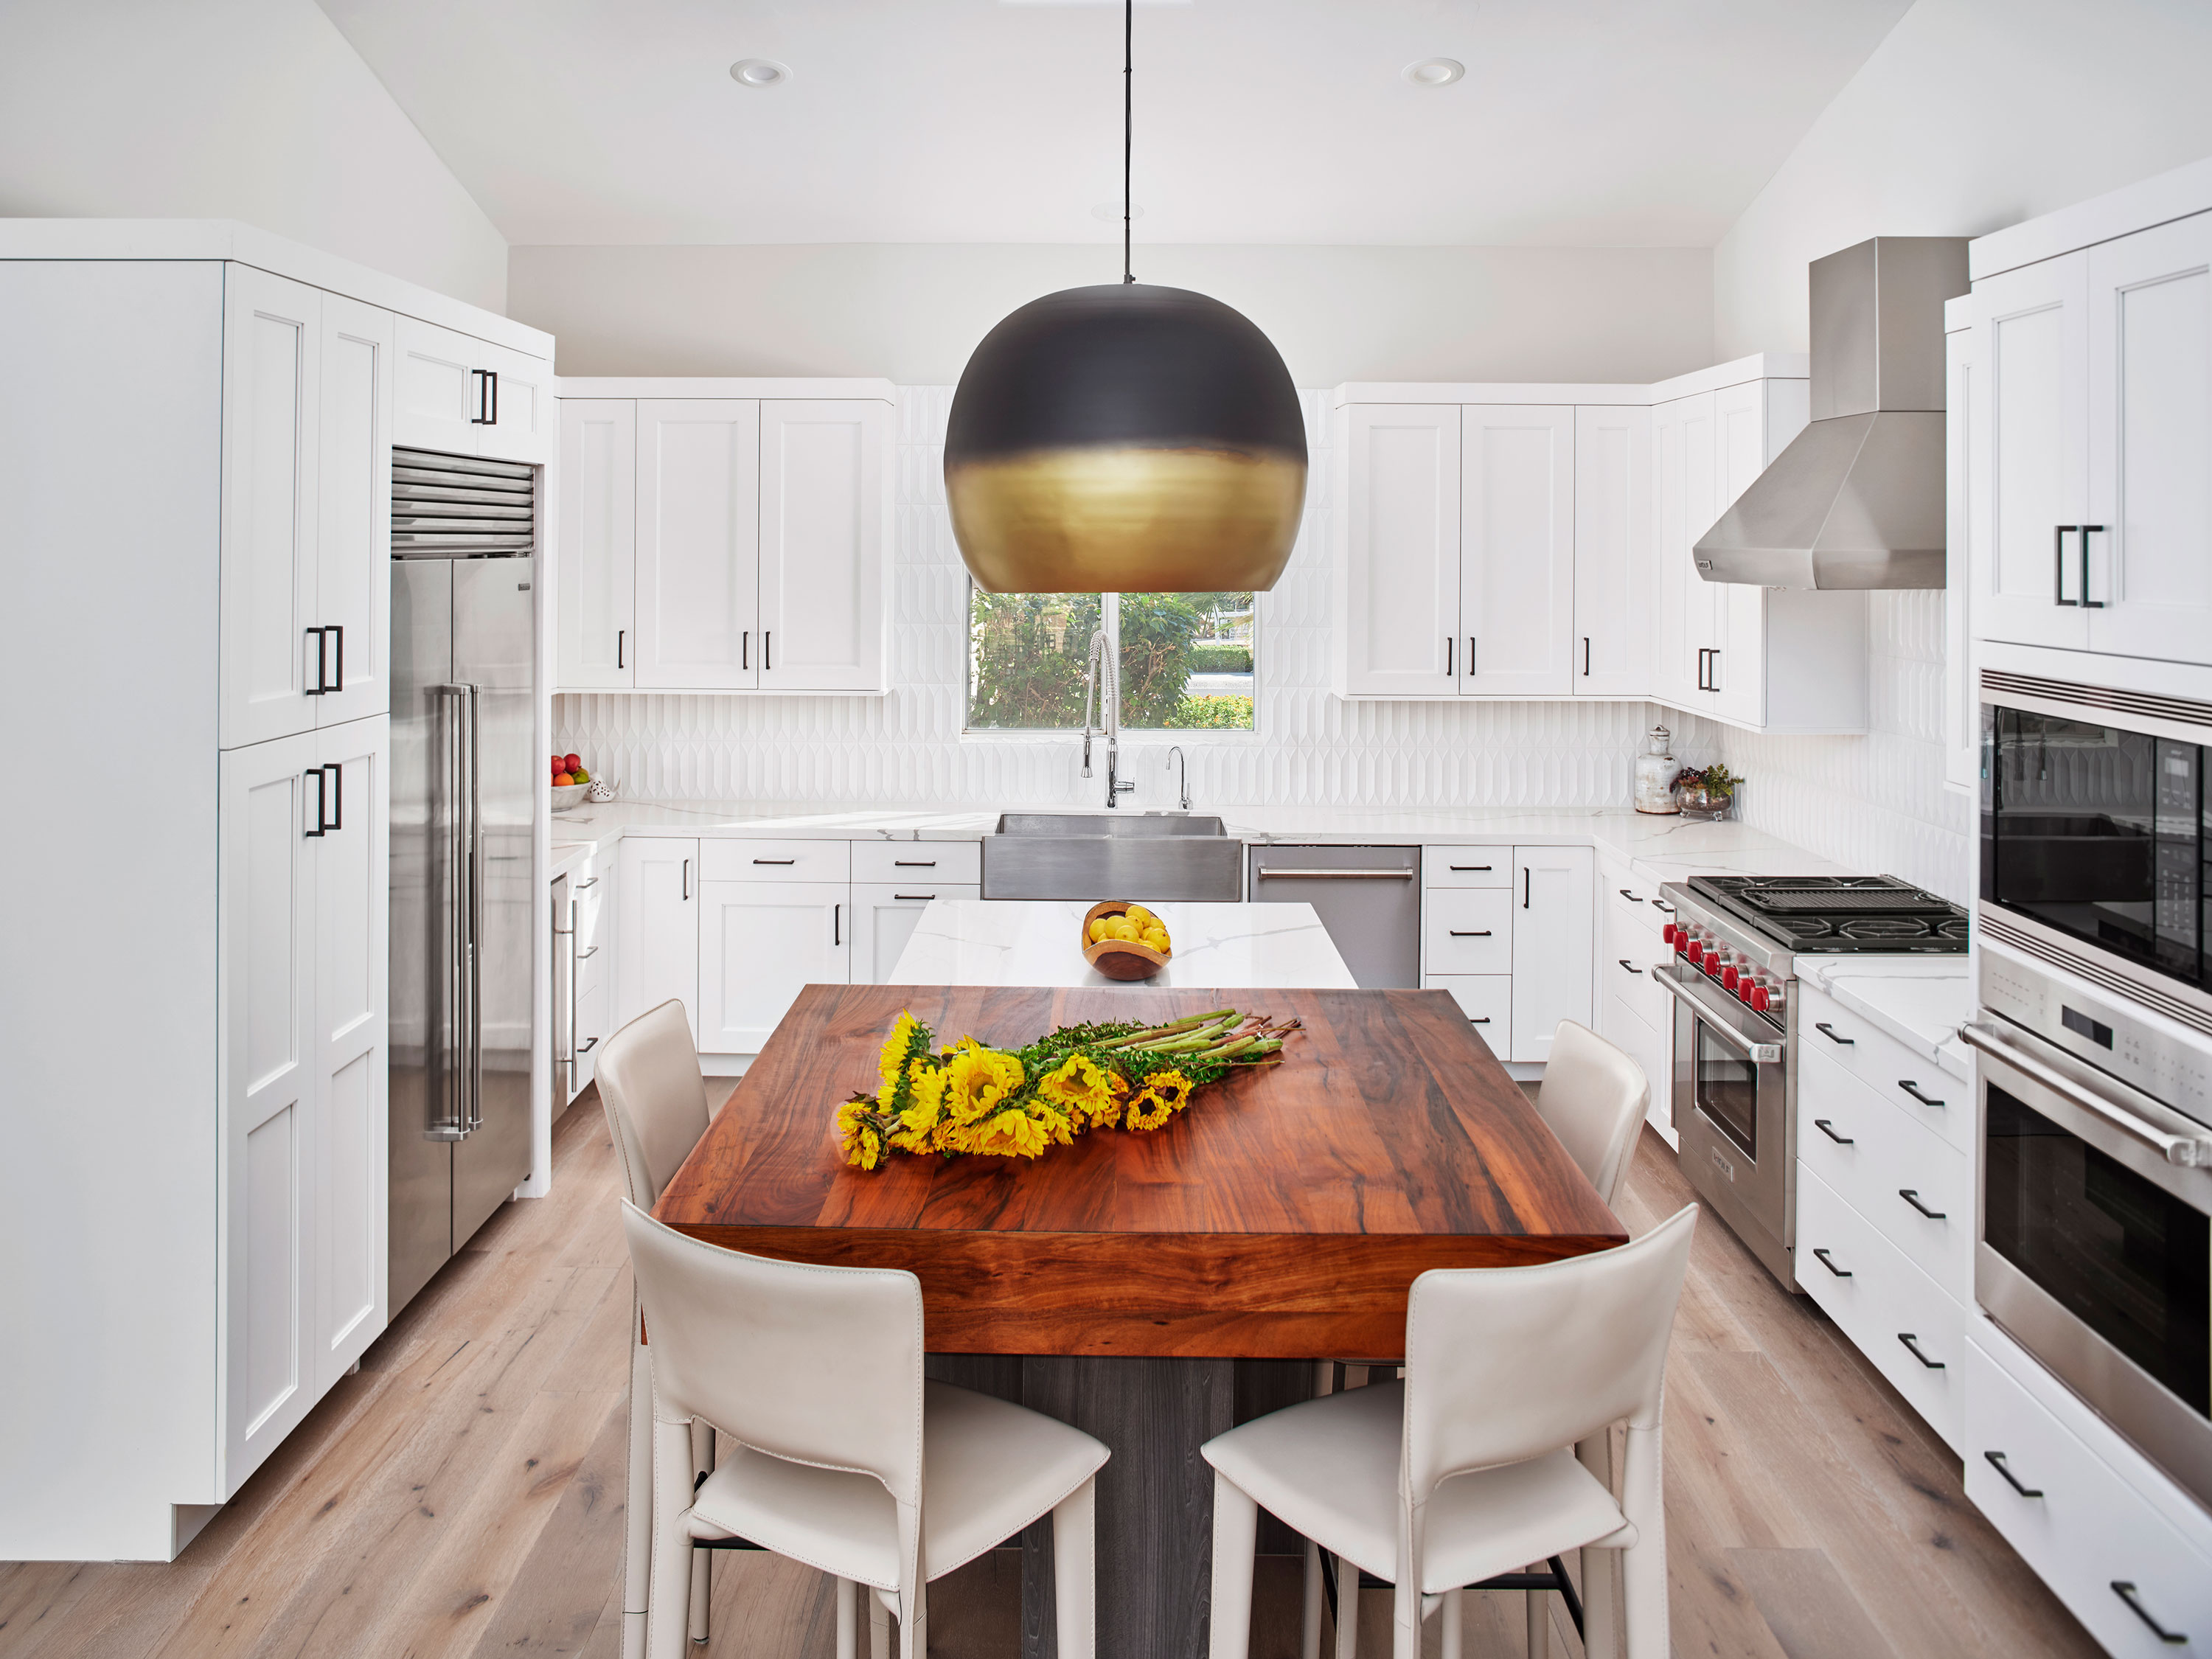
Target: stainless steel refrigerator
465,775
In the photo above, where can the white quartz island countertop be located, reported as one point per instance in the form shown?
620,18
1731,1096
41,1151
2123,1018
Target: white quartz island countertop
1034,942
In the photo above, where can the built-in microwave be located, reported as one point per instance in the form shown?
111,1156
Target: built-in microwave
2096,837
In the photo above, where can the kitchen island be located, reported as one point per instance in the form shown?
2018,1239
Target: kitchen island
1038,942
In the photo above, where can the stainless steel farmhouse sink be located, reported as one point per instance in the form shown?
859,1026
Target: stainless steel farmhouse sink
1102,855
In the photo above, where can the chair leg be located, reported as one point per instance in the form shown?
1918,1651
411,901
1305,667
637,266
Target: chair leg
1236,1536
1539,1624
1454,1624
1309,1616
637,1543
1075,1572
1355,1377
1347,1609
1600,1581
848,1619
702,1566
667,1620
880,1627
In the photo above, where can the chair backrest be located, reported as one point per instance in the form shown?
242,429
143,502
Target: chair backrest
655,1099
1505,1363
819,1366
1593,1097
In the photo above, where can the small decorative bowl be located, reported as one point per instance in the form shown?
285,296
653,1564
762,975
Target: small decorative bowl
1120,958
1698,802
567,795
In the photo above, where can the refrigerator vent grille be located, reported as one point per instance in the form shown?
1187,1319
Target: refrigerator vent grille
454,505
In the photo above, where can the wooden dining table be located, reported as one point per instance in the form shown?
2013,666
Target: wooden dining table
1154,1288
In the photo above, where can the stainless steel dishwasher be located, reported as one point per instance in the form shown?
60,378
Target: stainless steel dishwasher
1367,898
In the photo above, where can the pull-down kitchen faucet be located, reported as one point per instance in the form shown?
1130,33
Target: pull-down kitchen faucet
1102,667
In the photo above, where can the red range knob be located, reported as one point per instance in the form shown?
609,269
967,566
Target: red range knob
1759,998
1666,934
1746,988
1696,952
1729,977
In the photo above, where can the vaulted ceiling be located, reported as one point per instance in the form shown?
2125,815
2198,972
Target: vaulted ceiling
1577,122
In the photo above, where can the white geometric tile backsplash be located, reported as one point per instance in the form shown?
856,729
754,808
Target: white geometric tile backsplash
1312,749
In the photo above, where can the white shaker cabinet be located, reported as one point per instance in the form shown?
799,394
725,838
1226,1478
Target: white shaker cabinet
464,396
1683,472
2146,531
884,918
760,942
522,418
698,543
826,529
1614,574
596,543
1516,550
1397,556
1553,891
353,495
302,992
657,938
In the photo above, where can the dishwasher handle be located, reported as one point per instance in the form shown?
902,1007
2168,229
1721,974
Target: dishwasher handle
1266,874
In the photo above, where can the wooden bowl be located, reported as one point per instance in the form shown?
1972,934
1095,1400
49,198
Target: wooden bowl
1119,958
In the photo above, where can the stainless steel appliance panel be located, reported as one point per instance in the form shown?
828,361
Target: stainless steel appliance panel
1734,1111
1367,898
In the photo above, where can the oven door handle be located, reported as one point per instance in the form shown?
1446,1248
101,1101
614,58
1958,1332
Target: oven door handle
1759,1054
2192,1151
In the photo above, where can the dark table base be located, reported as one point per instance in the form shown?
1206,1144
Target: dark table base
1155,1521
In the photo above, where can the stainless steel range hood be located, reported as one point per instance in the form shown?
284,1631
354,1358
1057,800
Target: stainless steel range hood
1856,500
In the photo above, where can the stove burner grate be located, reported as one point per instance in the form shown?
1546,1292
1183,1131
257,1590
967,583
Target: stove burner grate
1785,901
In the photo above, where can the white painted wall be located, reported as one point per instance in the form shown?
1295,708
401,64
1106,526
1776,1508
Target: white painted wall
256,110
1971,115
913,312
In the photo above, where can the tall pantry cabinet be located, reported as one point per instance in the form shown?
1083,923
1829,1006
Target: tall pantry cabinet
194,1200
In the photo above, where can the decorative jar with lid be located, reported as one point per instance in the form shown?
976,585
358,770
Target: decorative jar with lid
1654,773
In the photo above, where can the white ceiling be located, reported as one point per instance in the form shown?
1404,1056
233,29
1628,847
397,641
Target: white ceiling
1579,122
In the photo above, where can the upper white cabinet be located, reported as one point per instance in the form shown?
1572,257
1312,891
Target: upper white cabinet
469,396
1683,484
1398,559
2091,447
724,544
1516,550
353,489
698,543
1614,572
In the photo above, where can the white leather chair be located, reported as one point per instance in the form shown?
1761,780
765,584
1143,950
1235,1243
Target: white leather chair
1466,1468
656,1105
1593,1097
848,1461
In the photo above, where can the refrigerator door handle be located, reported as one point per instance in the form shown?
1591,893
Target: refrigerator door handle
460,1053
472,916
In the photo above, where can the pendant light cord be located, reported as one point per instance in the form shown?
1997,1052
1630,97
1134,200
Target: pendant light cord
1129,121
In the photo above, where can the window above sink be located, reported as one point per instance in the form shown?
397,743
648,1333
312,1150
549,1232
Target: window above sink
1186,661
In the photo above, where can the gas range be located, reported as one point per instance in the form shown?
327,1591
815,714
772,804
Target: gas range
1734,978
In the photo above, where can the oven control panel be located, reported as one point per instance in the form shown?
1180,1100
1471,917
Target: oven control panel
1728,966
2164,1060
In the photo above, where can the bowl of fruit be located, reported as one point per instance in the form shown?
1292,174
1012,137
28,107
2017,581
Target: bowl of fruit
571,783
1125,941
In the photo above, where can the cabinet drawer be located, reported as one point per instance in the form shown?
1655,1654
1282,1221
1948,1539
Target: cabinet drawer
1629,950
590,891
1871,1154
594,1003
729,860
1466,867
1467,930
2086,1529
1918,1087
1487,999
1880,1298
909,861
1629,900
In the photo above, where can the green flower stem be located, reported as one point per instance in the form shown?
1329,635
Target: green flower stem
1137,1038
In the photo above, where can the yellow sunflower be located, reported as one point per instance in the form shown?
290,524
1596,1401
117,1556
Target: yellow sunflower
892,1064
921,1120
978,1080
1089,1092
861,1141
1164,1094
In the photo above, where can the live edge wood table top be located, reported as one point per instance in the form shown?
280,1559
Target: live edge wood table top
1283,1213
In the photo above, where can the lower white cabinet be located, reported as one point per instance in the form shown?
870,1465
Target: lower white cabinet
302,993
1551,927
1467,930
884,918
1487,999
657,944
2077,1502
760,943
1508,931
1633,1012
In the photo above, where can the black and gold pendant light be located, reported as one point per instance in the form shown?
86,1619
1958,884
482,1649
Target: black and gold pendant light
1125,438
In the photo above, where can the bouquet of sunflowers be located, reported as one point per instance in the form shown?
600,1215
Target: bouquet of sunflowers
1015,1102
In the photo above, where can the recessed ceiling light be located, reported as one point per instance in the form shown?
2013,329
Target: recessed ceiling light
759,72
1434,71
1113,210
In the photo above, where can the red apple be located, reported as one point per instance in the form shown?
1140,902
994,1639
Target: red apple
571,763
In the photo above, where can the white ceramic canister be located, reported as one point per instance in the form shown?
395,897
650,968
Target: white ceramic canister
1654,773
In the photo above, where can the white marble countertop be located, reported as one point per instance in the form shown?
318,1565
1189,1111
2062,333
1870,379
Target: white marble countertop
1921,1001
1034,942
1670,848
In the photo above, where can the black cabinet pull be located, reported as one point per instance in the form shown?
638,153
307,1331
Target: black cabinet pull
314,775
1470,933
1448,656
767,663
337,637
913,864
1828,1128
687,881
1912,1088
1840,1272
1470,656
1472,1020
2126,1589
775,860
1911,1195
621,636
1996,1459
2088,531
836,925
1630,896
1628,964
588,1045
1829,1032
322,678
917,897
745,649
337,796
1715,669
1585,656
2058,565
1911,1342
1528,880
486,397
1464,869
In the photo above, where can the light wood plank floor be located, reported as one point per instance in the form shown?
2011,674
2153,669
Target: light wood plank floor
463,1493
